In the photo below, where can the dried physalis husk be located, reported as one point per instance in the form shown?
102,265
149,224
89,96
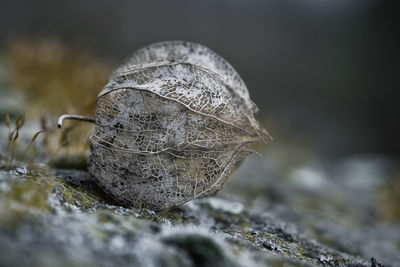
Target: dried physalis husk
171,124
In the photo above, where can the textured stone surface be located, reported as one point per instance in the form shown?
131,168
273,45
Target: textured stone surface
61,217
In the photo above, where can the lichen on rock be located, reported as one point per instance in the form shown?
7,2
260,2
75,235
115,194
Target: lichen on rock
75,224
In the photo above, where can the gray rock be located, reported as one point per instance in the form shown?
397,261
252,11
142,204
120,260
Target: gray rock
60,217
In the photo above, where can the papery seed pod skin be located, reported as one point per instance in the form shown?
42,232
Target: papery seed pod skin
171,124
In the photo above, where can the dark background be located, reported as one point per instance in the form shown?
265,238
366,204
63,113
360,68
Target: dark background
324,73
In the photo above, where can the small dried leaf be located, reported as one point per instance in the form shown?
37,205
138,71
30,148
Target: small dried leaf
36,135
20,122
31,143
8,121
16,135
11,136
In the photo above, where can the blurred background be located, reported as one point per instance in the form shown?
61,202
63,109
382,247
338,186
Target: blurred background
324,73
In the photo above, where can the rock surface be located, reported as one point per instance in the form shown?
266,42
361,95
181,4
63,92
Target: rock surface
59,217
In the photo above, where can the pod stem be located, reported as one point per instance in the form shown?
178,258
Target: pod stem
73,117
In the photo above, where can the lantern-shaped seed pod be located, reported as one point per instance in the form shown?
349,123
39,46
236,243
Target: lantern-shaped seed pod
171,124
